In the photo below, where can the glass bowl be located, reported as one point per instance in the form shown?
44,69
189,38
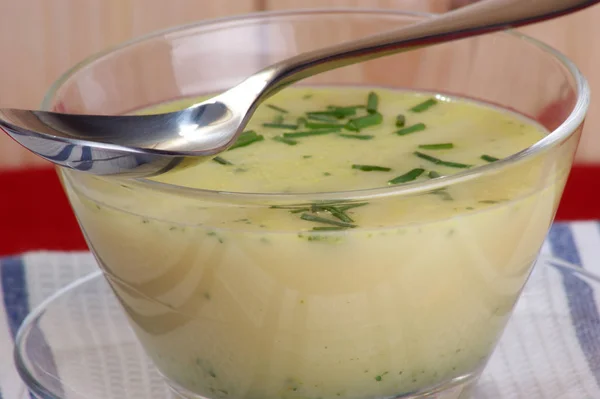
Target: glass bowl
77,344
410,304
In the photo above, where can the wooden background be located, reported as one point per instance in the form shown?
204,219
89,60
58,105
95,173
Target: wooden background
40,39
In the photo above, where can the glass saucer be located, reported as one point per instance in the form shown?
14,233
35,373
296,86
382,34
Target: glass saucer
78,345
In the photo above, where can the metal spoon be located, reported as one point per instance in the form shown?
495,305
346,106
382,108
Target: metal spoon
153,144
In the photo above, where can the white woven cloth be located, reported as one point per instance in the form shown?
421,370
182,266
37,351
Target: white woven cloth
538,359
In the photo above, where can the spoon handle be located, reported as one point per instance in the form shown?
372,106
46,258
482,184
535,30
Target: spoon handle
480,18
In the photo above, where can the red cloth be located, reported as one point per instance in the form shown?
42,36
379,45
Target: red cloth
35,213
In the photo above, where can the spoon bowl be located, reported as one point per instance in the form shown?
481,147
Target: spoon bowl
147,145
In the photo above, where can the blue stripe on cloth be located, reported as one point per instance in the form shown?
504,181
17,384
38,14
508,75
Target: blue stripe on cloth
580,296
14,287
13,283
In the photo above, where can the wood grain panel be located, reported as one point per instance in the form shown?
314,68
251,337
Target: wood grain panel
40,39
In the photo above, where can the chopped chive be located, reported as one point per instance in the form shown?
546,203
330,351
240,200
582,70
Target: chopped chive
311,133
489,158
301,121
306,156
357,136
409,176
400,120
222,161
411,129
357,124
322,125
278,109
328,228
335,112
438,161
318,219
371,168
335,212
433,174
285,140
345,110
424,106
372,102
321,118
300,210
278,118
440,146
351,127
342,112
246,138
281,126
351,206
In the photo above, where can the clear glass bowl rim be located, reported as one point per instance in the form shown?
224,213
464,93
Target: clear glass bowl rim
556,137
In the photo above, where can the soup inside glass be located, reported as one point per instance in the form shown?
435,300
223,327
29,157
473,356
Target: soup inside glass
234,295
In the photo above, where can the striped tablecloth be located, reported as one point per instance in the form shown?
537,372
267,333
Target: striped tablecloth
28,279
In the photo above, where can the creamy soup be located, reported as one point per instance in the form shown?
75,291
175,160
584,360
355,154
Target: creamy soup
329,299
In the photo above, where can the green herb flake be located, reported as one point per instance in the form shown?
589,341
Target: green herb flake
438,161
363,122
278,109
378,378
306,156
400,120
246,138
301,121
318,219
278,118
308,133
307,96
372,102
439,146
443,194
407,177
489,158
424,106
433,174
418,127
285,140
357,136
287,126
371,168
222,161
